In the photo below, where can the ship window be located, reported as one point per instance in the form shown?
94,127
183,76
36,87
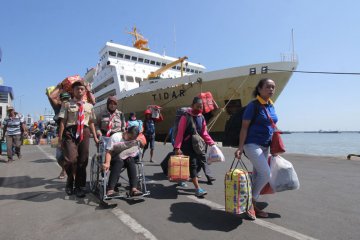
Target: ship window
158,63
127,56
178,67
106,95
174,67
196,71
129,78
122,78
120,55
146,61
104,85
163,64
137,79
187,70
112,53
134,58
192,70
140,59
200,71
152,62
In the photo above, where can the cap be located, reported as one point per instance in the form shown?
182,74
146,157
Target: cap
79,83
111,99
147,111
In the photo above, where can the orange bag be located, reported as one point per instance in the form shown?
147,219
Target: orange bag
178,168
208,102
142,139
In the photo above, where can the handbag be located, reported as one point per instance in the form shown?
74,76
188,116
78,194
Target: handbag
198,143
277,145
283,175
214,155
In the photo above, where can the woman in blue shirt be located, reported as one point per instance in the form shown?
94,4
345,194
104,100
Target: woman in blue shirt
255,136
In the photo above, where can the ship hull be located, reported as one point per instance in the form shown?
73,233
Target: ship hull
235,85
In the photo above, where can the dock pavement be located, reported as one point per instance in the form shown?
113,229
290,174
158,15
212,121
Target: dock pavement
33,204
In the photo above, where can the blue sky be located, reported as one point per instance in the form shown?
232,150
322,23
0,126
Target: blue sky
44,41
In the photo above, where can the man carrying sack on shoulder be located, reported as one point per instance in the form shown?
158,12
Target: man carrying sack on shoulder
77,119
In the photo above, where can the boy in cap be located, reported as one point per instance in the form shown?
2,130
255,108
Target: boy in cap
77,119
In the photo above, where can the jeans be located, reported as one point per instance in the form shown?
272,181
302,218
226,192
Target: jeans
258,155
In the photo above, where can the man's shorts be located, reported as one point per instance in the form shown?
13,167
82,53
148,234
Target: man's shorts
150,140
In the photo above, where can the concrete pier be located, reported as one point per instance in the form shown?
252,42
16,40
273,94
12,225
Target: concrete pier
33,204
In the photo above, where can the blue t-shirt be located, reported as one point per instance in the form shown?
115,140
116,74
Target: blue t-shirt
260,130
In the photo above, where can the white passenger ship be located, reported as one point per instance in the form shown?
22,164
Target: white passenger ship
138,78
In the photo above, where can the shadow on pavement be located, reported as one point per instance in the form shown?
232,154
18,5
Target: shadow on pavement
159,191
29,182
44,161
157,176
204,217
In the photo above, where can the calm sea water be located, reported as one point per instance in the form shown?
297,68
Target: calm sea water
325,144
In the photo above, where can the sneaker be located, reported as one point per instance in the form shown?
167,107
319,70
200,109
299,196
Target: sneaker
182,184
200,192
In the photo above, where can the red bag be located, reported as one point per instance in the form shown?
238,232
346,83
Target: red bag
277,145
208,102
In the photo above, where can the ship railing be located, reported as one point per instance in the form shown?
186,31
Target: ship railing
289,57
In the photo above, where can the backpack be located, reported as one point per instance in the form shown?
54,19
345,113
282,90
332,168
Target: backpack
233,126
137,123
179,113
149,127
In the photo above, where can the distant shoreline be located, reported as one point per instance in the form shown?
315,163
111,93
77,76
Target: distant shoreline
334,132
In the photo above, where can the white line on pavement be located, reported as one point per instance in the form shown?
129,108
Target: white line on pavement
259,222
132,224
50,156
121,215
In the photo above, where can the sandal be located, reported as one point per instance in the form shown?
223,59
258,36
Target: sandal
135,193
110,193
62,175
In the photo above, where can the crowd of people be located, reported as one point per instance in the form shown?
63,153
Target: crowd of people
76,121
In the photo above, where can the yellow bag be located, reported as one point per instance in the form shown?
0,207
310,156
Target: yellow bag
238,196
178,168
27,142
49,90
54,142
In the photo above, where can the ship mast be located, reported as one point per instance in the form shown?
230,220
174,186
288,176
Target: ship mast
140,42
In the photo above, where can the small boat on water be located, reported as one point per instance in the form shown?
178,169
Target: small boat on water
139,77
321,131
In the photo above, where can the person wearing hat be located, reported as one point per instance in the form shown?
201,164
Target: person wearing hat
77,120
112,120
149,132
14,125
